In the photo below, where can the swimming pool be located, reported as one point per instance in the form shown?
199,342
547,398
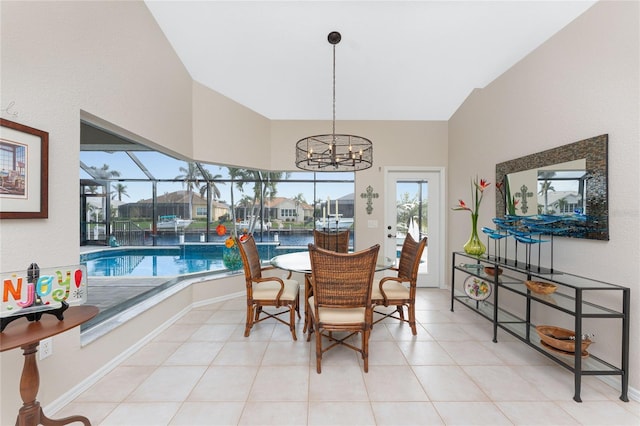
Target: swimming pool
166,261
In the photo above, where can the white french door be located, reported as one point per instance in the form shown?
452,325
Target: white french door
415,207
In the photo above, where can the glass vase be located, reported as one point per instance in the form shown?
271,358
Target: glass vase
231,258
474,246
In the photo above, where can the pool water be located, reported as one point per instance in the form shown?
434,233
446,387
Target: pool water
166,261
149,265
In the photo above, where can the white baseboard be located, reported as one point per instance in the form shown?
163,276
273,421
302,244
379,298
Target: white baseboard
614,382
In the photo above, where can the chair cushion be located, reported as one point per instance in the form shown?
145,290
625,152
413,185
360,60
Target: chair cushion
393,289
338,315
269,290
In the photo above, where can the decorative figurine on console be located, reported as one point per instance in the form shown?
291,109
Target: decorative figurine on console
41,291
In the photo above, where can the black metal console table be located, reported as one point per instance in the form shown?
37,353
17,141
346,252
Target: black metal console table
574,297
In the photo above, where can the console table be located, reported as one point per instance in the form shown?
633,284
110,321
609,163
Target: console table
27,336
575,297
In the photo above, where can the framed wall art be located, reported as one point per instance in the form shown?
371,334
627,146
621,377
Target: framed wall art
24,171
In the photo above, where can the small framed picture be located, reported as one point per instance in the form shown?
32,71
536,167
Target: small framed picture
24,171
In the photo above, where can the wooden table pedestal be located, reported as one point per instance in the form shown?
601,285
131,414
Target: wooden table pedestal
27,335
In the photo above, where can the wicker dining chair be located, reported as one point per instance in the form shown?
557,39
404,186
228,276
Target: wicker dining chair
266,291
334,241
400,291
341,300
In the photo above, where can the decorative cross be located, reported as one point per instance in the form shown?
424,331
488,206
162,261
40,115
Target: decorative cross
369,195
523,194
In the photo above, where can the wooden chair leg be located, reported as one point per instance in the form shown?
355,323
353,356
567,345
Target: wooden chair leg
292,320
318,351
249,323
306,320
365,349
412,318
400,310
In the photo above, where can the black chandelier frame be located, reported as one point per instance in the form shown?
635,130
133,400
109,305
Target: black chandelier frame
334,152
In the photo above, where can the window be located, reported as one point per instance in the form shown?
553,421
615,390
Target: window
160,200
134,196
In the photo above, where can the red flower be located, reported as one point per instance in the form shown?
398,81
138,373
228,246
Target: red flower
477,191
461,206
221,229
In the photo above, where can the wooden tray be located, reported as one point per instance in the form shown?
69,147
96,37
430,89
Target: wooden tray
541,287
584,354
492,271
553,336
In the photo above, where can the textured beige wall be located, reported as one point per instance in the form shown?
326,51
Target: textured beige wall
59,61
225,132
398,143
583,82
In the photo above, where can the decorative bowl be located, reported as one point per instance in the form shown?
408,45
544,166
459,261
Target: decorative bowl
560,338
541,287
490,270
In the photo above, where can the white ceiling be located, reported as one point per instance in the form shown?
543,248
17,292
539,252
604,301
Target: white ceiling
398,60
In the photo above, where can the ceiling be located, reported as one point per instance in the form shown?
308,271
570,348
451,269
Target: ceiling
398,60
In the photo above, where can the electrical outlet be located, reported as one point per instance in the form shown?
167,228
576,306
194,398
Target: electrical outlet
46,348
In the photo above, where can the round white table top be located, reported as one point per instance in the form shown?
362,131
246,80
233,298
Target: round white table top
300,262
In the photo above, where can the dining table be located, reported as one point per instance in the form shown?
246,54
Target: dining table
301,262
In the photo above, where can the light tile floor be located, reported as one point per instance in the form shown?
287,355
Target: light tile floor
202,371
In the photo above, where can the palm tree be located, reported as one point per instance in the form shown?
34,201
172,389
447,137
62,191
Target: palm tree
92,210
119,190
563,205
265,187
407,208
103,172
299,199
246,202
545,187
215,191
190,178
92,189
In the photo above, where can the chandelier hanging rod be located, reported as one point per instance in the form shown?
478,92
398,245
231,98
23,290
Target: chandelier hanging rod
340,151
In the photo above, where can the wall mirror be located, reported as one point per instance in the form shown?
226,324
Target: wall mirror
568,181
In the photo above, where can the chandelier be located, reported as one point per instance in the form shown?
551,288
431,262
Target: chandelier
334,152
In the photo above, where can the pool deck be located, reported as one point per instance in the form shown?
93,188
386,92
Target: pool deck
114,295
108,292
111,292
